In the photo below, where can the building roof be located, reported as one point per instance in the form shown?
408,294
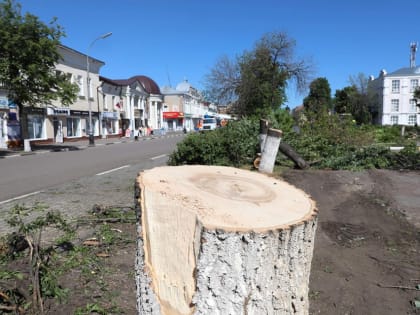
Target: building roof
63,47
404,72
148,84
183,86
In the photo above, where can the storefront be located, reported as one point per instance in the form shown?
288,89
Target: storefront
110,125
35,123
78,124
4,114
59,121
173,120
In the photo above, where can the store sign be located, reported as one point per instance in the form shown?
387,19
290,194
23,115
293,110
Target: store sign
110,115
58,111
173,115
35,110
83,113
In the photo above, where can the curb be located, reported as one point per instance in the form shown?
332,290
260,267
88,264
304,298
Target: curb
69,147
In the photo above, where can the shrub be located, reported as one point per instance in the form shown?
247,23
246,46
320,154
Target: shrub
233,144
327,141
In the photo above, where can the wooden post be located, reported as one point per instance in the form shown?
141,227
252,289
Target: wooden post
221,240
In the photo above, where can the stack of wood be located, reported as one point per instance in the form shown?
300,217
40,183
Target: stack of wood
221,240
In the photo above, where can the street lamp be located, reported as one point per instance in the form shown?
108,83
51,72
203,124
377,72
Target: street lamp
91,137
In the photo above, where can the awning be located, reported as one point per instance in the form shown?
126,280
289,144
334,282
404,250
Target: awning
173,115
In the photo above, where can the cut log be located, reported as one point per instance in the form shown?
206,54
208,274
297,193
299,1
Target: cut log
288,151
221,240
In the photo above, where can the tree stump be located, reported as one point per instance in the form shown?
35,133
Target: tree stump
269,152
221,240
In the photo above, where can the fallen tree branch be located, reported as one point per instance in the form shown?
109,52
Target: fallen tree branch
397,287
288,151
108,220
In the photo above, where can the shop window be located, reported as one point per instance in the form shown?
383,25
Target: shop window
36,126
73,127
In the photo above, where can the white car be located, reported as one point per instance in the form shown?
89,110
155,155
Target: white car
209,124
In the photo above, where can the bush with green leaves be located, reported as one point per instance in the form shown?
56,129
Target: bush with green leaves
234,144
324,141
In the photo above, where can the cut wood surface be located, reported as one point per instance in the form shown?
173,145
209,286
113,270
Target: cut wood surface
211,238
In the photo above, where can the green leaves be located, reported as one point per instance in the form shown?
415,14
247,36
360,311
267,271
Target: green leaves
233,144
28,56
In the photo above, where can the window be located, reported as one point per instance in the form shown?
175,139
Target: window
73,127
395,86
89,82
395,105
79,82
414,83
394,120
105,102
93,126
412,119
36,126
413,106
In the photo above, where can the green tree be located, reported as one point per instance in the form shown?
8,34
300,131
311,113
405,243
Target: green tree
319,99
28,56
256,81
343,99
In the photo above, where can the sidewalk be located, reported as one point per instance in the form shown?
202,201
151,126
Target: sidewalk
77,145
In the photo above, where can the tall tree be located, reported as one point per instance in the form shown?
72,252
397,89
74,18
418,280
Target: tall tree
360,82
257,80
28,56
223,80
319,99
417,96
351,101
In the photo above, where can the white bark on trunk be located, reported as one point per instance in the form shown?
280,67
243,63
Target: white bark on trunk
270,150
220,240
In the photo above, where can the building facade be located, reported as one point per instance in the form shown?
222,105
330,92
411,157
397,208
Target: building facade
55,122
394,94
184,107
137,100
65,123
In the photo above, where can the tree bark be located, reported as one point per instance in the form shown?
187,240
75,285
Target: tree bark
270,150
263,133
288,151
221,240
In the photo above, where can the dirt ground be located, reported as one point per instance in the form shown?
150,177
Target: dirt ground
367,242
366,256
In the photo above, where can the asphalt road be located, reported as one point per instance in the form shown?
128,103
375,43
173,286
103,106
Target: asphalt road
30,174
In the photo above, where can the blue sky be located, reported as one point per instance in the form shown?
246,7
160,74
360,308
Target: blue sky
170,41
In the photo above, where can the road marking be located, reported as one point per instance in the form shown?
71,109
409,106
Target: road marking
113,170
158,157
20,197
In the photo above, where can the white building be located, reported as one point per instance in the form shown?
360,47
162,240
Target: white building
394,92
138,101
55,122
184,107
61,122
